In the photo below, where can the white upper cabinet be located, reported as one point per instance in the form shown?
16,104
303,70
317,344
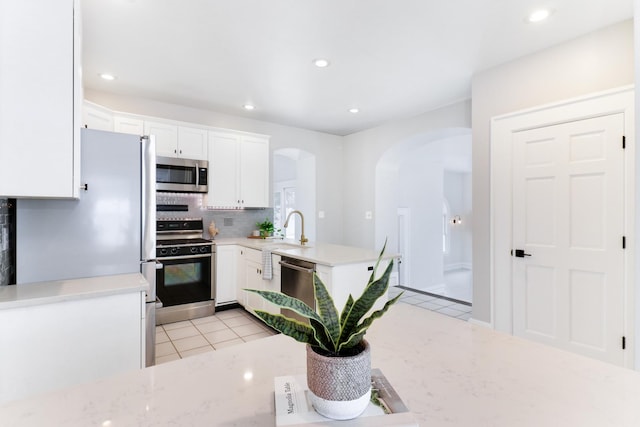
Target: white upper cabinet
41,98
238,170
254,171
96,117
223,170
178,141
128,125
166,137
192,143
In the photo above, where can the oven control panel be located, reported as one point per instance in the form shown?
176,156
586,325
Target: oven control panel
183,250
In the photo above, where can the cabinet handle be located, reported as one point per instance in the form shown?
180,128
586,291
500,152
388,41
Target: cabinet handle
175,151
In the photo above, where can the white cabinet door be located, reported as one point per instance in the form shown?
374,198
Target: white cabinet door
273,285
96,117
223,170
253,272
192,143
128,125
238,170
241,276
254,172
226,274
40,113
166,137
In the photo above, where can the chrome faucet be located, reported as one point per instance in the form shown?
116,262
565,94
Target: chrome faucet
303,239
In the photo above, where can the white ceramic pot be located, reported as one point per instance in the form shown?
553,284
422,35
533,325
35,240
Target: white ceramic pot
340,387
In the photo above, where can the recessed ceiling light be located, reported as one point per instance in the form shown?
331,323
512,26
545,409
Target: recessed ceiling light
248,107
354,110
539,15
108,76
321,62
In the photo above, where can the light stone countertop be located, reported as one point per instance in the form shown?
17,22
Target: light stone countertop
320,253
29,294
448,372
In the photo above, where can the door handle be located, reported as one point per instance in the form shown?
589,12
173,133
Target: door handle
519,253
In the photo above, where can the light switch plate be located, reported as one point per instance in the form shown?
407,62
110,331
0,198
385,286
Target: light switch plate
368,215
320,214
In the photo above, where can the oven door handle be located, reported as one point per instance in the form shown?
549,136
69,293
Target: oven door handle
195,256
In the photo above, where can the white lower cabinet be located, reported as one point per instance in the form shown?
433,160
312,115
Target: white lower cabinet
250,276
50,346
343,280
226,274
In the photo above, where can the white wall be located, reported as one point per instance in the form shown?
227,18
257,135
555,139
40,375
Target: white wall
591,63
363,150
421,190
326,148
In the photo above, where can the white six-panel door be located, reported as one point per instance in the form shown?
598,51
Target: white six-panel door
568,218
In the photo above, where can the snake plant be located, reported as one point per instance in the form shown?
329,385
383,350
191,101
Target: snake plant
328,332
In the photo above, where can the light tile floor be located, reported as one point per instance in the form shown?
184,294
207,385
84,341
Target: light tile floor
225,328
236,326
433,303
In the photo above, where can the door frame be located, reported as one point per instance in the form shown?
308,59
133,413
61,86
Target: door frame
619,100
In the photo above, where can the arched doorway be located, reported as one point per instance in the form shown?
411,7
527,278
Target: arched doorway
294,187
423,205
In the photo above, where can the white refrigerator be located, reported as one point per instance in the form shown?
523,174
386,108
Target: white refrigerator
110,229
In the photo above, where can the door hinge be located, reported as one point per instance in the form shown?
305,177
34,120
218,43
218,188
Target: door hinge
624,142
624,343
624,242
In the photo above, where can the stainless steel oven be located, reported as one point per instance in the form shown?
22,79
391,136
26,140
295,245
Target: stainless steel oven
185,282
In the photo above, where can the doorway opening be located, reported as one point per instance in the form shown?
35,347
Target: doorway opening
423,209
294,188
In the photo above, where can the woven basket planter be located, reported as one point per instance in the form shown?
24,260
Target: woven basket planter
340,386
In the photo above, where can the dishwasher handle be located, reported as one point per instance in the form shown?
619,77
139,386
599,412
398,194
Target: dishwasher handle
296,267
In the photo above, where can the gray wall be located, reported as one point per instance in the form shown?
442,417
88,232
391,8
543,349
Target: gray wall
595,62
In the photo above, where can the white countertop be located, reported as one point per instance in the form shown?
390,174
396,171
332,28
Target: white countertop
28,294
320,253
448,372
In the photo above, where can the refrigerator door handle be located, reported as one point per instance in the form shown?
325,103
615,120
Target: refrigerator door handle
148,164
148,270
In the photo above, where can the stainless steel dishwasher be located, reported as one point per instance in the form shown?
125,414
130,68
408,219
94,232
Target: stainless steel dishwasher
297,282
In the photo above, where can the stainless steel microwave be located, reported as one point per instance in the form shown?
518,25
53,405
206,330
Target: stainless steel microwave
181,175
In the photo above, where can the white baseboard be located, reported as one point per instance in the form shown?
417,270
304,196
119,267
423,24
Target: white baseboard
457,266
480,323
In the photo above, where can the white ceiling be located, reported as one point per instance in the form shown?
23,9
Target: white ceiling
390,58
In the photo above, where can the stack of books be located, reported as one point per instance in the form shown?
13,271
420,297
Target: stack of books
293,406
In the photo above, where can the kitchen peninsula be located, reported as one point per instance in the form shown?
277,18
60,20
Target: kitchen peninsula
343,269
63,332
448,372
